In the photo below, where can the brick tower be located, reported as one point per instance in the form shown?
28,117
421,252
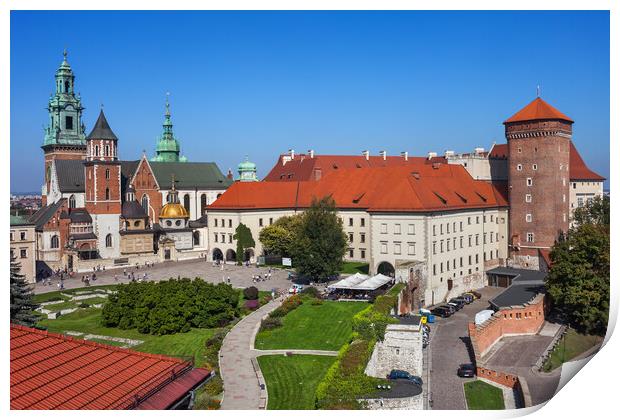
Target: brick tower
539,139
64,136
103,186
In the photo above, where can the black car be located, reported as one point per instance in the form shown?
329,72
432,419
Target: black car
467,370
458,302
402,374
442,312
451,308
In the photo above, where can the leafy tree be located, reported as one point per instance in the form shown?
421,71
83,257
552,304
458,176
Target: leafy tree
243,236
320,243
22,306
278,238
578,282
595,211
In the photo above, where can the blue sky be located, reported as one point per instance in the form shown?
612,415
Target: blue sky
260,83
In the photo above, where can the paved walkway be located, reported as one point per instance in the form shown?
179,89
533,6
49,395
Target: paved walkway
240,276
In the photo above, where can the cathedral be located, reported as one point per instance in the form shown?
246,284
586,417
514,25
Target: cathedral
101,210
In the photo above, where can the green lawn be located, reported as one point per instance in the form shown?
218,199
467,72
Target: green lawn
570,347
56,295
352,267
482,396
181,344
292,380
314,327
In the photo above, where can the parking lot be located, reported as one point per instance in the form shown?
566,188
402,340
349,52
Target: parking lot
449,348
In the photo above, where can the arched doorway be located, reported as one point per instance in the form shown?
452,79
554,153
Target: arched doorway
386,269
231,255
248,255
218,255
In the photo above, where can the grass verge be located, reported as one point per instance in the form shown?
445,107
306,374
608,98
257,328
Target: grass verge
571,346
352,267
482,396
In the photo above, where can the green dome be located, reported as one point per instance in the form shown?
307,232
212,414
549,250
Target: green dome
246,165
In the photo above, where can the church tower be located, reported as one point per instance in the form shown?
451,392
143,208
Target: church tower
168,147
539,138
103,186
64,136
247,171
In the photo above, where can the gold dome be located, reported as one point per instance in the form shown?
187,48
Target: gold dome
174,211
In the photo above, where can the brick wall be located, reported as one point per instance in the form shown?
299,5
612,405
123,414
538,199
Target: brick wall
144,183
96,183
502,378
528,319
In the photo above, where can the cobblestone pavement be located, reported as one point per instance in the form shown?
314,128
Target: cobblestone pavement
449,348
240,277
518,355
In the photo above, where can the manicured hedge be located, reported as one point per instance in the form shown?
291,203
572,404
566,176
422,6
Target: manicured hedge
370,324
172,306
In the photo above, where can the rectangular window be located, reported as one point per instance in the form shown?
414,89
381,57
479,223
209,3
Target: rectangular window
434,230
441,229
260,222
448,265
350,253
477,220
476,258
223,237
350,237
411,250
363,253
230,223
69,123
434,248
530,237
397,228
528,217
470,241
362,222
384,247
477,240
448,245
215,223
441,246
22,236
230,238
411,230
441,267
461,261
461,242
23,253
12,237
447,227
215,237
363,238
528,198
469,220
350,221
383,227
461,226
529,182
397,248
434,269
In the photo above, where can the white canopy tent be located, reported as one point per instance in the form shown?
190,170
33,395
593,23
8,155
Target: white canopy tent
349,282
373,283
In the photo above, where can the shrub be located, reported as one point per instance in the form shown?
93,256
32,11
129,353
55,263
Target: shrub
316,302
83,305
291,303
251,304
311,291
215,386
170,306
270,323
263,300
250,293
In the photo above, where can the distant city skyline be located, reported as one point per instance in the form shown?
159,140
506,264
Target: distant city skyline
260,83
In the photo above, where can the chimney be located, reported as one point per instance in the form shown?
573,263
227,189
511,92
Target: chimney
383,154
366,154
311,153
431,155
229,175
291,153
449,153
405,155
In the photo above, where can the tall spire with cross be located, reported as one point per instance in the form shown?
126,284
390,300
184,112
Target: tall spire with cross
168,148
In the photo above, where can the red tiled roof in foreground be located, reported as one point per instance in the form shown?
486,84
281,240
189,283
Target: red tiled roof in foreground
306,168
51,371
538,110
413,188
578,170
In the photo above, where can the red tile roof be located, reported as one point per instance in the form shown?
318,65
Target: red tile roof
538,110
578,170
52,371
305,168
412,188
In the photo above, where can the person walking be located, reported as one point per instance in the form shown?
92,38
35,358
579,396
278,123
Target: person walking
115,277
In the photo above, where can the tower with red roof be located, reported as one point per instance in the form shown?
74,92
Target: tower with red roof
539,141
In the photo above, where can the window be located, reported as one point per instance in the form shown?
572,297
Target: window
106,150
215,224
441,229
230,238
476,258
96,150
477,240
397,248
461,242
528,217
363,253
68,123
519,150
107,193
434,269
362,237
434,230
270,220
470,241
108,240
260,222
530,237
397,228
461,261
528,198
411,249
448,245
23,253
22,236
383,227
168,223
12,237
574,185
196,237
350,253
434,248
469,259
477,220
362,222
136,223
529,182
203,204
350,237
519,167
384,247
230,222
441,267
469,220
350,221
145,204
448,265
222,237
72,201
441,247
107,174
186,202
411,229
215,237
535,167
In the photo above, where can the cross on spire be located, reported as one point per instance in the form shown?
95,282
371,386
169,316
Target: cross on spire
538,91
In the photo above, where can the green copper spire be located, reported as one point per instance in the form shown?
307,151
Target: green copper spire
65,110
168,148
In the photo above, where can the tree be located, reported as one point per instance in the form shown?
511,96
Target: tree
278,238
578,282
595,211
243,236
320,243
22,306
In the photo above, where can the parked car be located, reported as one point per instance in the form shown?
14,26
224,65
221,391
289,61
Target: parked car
403,374
477,295
457,307
442,312
466,370
459,302
451,308
467,297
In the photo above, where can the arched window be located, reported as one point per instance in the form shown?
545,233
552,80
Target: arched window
107,193
203,204
145,203
186,202
108,241
66,86
196,238
54,242
96,150
107,173
72,201
107,150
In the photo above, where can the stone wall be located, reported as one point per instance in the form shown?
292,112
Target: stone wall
527,319
407,403
400,349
